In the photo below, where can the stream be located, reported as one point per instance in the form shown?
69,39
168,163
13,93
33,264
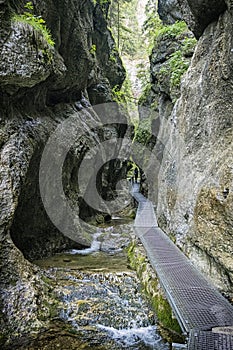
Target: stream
99,302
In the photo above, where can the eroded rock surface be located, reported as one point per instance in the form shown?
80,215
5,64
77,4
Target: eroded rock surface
192,139
41,86
196,177
200,13
169,11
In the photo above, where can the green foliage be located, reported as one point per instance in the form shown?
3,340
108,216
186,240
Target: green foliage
178,66
93,50
175,68
101,2
123,95
189,45
37,22
143,131
118,95
143,74
113,54
171,31
29,6
48,56
152,23
177,63
112,59
145,93
125,28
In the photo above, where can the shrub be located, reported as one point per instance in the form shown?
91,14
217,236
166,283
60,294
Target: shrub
178,66
171,31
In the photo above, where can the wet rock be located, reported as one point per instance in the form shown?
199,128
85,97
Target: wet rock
24,64
169,11
191,195
194,180
200,13
99,219
39,86
114,242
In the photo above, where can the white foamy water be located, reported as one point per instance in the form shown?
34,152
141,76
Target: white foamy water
133,336
95,246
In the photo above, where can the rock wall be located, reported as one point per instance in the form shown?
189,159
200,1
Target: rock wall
200,13
41,86
195,184
169,11
170,57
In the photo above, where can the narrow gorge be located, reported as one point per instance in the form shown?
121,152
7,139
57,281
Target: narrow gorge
70,139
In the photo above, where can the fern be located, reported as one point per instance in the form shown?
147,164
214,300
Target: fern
37,22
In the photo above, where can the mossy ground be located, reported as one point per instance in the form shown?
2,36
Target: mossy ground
170,328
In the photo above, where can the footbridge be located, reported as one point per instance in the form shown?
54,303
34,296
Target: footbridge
198,306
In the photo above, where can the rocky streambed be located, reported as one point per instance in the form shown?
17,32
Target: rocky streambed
96,300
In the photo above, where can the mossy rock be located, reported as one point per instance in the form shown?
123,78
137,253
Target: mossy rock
152,289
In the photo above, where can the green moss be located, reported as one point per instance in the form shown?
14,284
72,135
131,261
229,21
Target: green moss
153,291
132,215
164,313
37,22
49,311
46,280
172,237
131,255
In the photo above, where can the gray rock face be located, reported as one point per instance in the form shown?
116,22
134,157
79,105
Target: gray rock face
168,60
200,13
195,184
169,11
26,68
194,200
40,88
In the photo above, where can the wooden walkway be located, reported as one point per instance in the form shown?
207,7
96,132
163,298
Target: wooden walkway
197,304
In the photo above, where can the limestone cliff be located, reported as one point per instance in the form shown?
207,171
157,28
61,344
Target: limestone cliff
195,182
41,86
169,11
169,59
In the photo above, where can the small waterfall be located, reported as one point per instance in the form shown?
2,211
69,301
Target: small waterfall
98,296
131,337
95,246
111,305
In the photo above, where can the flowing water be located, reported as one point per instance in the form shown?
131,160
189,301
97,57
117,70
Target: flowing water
99,302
